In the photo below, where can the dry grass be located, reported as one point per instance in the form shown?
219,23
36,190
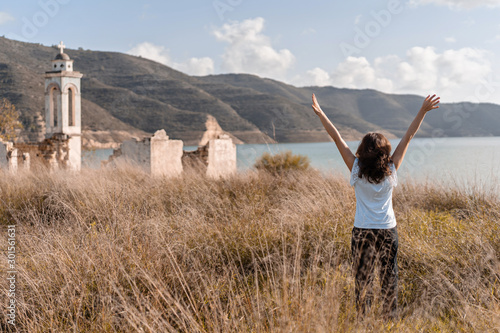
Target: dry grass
119,251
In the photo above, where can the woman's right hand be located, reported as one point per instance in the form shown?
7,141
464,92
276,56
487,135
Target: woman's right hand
316,106
430,103
343,148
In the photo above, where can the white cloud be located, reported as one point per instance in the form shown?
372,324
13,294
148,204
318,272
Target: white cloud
454,74
459,4
197,66
357,19
317,77
450,40
5,18
357,72
250,51
193,66
152,52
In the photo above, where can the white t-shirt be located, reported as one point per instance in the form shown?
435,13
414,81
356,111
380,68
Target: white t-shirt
374,201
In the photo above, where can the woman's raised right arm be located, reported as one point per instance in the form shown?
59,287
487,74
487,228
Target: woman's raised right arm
344,150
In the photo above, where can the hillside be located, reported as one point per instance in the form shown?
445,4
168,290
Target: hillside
125,96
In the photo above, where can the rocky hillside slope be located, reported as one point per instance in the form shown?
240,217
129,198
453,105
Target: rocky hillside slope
125,96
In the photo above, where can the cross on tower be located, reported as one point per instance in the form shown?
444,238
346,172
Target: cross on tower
61,47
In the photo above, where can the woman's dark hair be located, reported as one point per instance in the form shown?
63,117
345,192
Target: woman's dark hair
374,156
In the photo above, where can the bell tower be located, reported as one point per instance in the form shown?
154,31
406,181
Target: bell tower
63,106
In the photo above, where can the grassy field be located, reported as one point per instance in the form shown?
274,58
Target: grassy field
119,251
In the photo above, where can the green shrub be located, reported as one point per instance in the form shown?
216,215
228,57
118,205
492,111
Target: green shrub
282,162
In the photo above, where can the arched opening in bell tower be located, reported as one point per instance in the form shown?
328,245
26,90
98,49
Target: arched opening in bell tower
71,107
54,106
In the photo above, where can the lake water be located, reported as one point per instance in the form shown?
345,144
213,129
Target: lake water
459,161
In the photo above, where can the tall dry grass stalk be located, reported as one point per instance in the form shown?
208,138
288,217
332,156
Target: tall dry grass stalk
120,251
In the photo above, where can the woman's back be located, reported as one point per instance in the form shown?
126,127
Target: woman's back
373,200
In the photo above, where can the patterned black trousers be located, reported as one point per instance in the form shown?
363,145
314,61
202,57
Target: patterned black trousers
369,247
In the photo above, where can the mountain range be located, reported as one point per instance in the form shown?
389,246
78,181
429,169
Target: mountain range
124,96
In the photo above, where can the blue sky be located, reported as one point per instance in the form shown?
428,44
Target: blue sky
450,47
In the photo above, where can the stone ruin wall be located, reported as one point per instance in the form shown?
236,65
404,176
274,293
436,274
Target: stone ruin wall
164,157
158,155
52,153
221,157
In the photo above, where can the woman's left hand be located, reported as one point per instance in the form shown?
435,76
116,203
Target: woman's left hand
316,106
430,103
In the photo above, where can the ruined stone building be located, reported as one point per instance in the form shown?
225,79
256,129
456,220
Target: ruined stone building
164,157
62,146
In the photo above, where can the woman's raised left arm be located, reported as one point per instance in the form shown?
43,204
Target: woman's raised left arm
430,103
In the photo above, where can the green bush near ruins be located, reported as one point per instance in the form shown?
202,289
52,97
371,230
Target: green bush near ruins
121,251
280,163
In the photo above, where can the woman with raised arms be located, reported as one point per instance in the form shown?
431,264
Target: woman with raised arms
374,235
